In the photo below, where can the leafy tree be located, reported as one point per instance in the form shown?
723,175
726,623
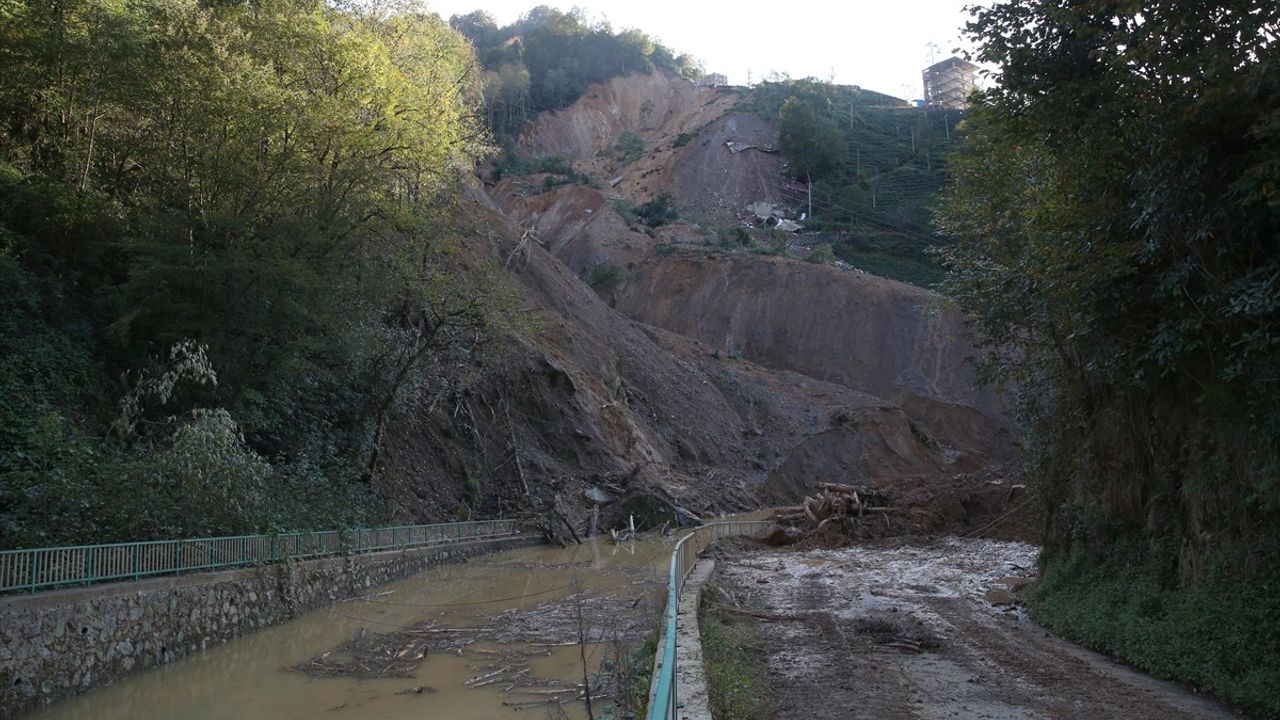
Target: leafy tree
277,195
1118,234
477,26
810,139
558,54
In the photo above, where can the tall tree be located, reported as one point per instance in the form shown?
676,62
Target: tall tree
275,196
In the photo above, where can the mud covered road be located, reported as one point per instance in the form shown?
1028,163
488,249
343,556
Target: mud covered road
922,629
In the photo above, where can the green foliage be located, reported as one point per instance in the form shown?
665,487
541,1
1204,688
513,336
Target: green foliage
626,209
274,204
560,172
821,255
629,147
1221,635
1117,228
546,59
646,112
779,245
737,675
733,237
682,139
886,258
510,164
604,278
810,138
658,211
634,695
873,164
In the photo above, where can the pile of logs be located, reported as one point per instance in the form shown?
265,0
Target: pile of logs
834,502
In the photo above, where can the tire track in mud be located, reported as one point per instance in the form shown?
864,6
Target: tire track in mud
902,629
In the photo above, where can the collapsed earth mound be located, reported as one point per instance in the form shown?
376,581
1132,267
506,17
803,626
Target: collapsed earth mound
663,378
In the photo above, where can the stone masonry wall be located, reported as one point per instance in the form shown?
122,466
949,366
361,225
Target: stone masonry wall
57,644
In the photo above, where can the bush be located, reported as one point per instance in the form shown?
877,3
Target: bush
630,146
682,139
512,165
626,210
821,255
658,211
907,267
604,278
779,244
1222,634
732,237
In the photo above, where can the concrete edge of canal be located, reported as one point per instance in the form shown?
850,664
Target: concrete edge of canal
57,644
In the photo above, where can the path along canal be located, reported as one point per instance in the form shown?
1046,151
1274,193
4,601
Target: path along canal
465,642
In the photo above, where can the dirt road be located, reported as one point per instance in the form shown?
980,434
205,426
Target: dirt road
919,629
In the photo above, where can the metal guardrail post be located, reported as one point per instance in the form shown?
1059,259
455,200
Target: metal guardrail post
665,699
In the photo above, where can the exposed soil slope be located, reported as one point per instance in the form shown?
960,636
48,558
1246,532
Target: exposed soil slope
711,381
592,399
686,131
874,335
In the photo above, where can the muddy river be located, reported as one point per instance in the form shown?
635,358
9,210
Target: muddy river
467,642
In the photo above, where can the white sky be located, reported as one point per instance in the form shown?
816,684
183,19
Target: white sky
881,46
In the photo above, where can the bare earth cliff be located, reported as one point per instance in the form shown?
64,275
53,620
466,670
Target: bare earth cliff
698,381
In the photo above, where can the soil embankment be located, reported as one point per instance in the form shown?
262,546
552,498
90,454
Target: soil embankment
591,407
696,379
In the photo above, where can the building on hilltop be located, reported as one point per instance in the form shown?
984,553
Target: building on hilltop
948,83
713,80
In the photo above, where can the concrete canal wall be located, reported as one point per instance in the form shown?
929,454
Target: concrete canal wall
61,643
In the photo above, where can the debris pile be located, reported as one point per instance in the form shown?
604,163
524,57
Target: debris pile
836,502
370,655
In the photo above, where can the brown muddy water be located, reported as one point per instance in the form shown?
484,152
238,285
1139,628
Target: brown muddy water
497,637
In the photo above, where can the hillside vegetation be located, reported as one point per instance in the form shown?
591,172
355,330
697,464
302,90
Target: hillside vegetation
875,165
546,59
1118,224
223,255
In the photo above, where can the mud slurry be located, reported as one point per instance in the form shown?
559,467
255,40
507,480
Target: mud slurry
487,639
922,629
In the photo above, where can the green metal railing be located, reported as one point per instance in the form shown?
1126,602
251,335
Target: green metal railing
44,568
663,700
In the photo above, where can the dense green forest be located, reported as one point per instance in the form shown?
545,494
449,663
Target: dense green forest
875,165
1116,207
546,59
224,255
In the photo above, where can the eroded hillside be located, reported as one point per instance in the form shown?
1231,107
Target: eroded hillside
698,378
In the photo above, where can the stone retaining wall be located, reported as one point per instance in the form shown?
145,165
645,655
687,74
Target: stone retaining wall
61,643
